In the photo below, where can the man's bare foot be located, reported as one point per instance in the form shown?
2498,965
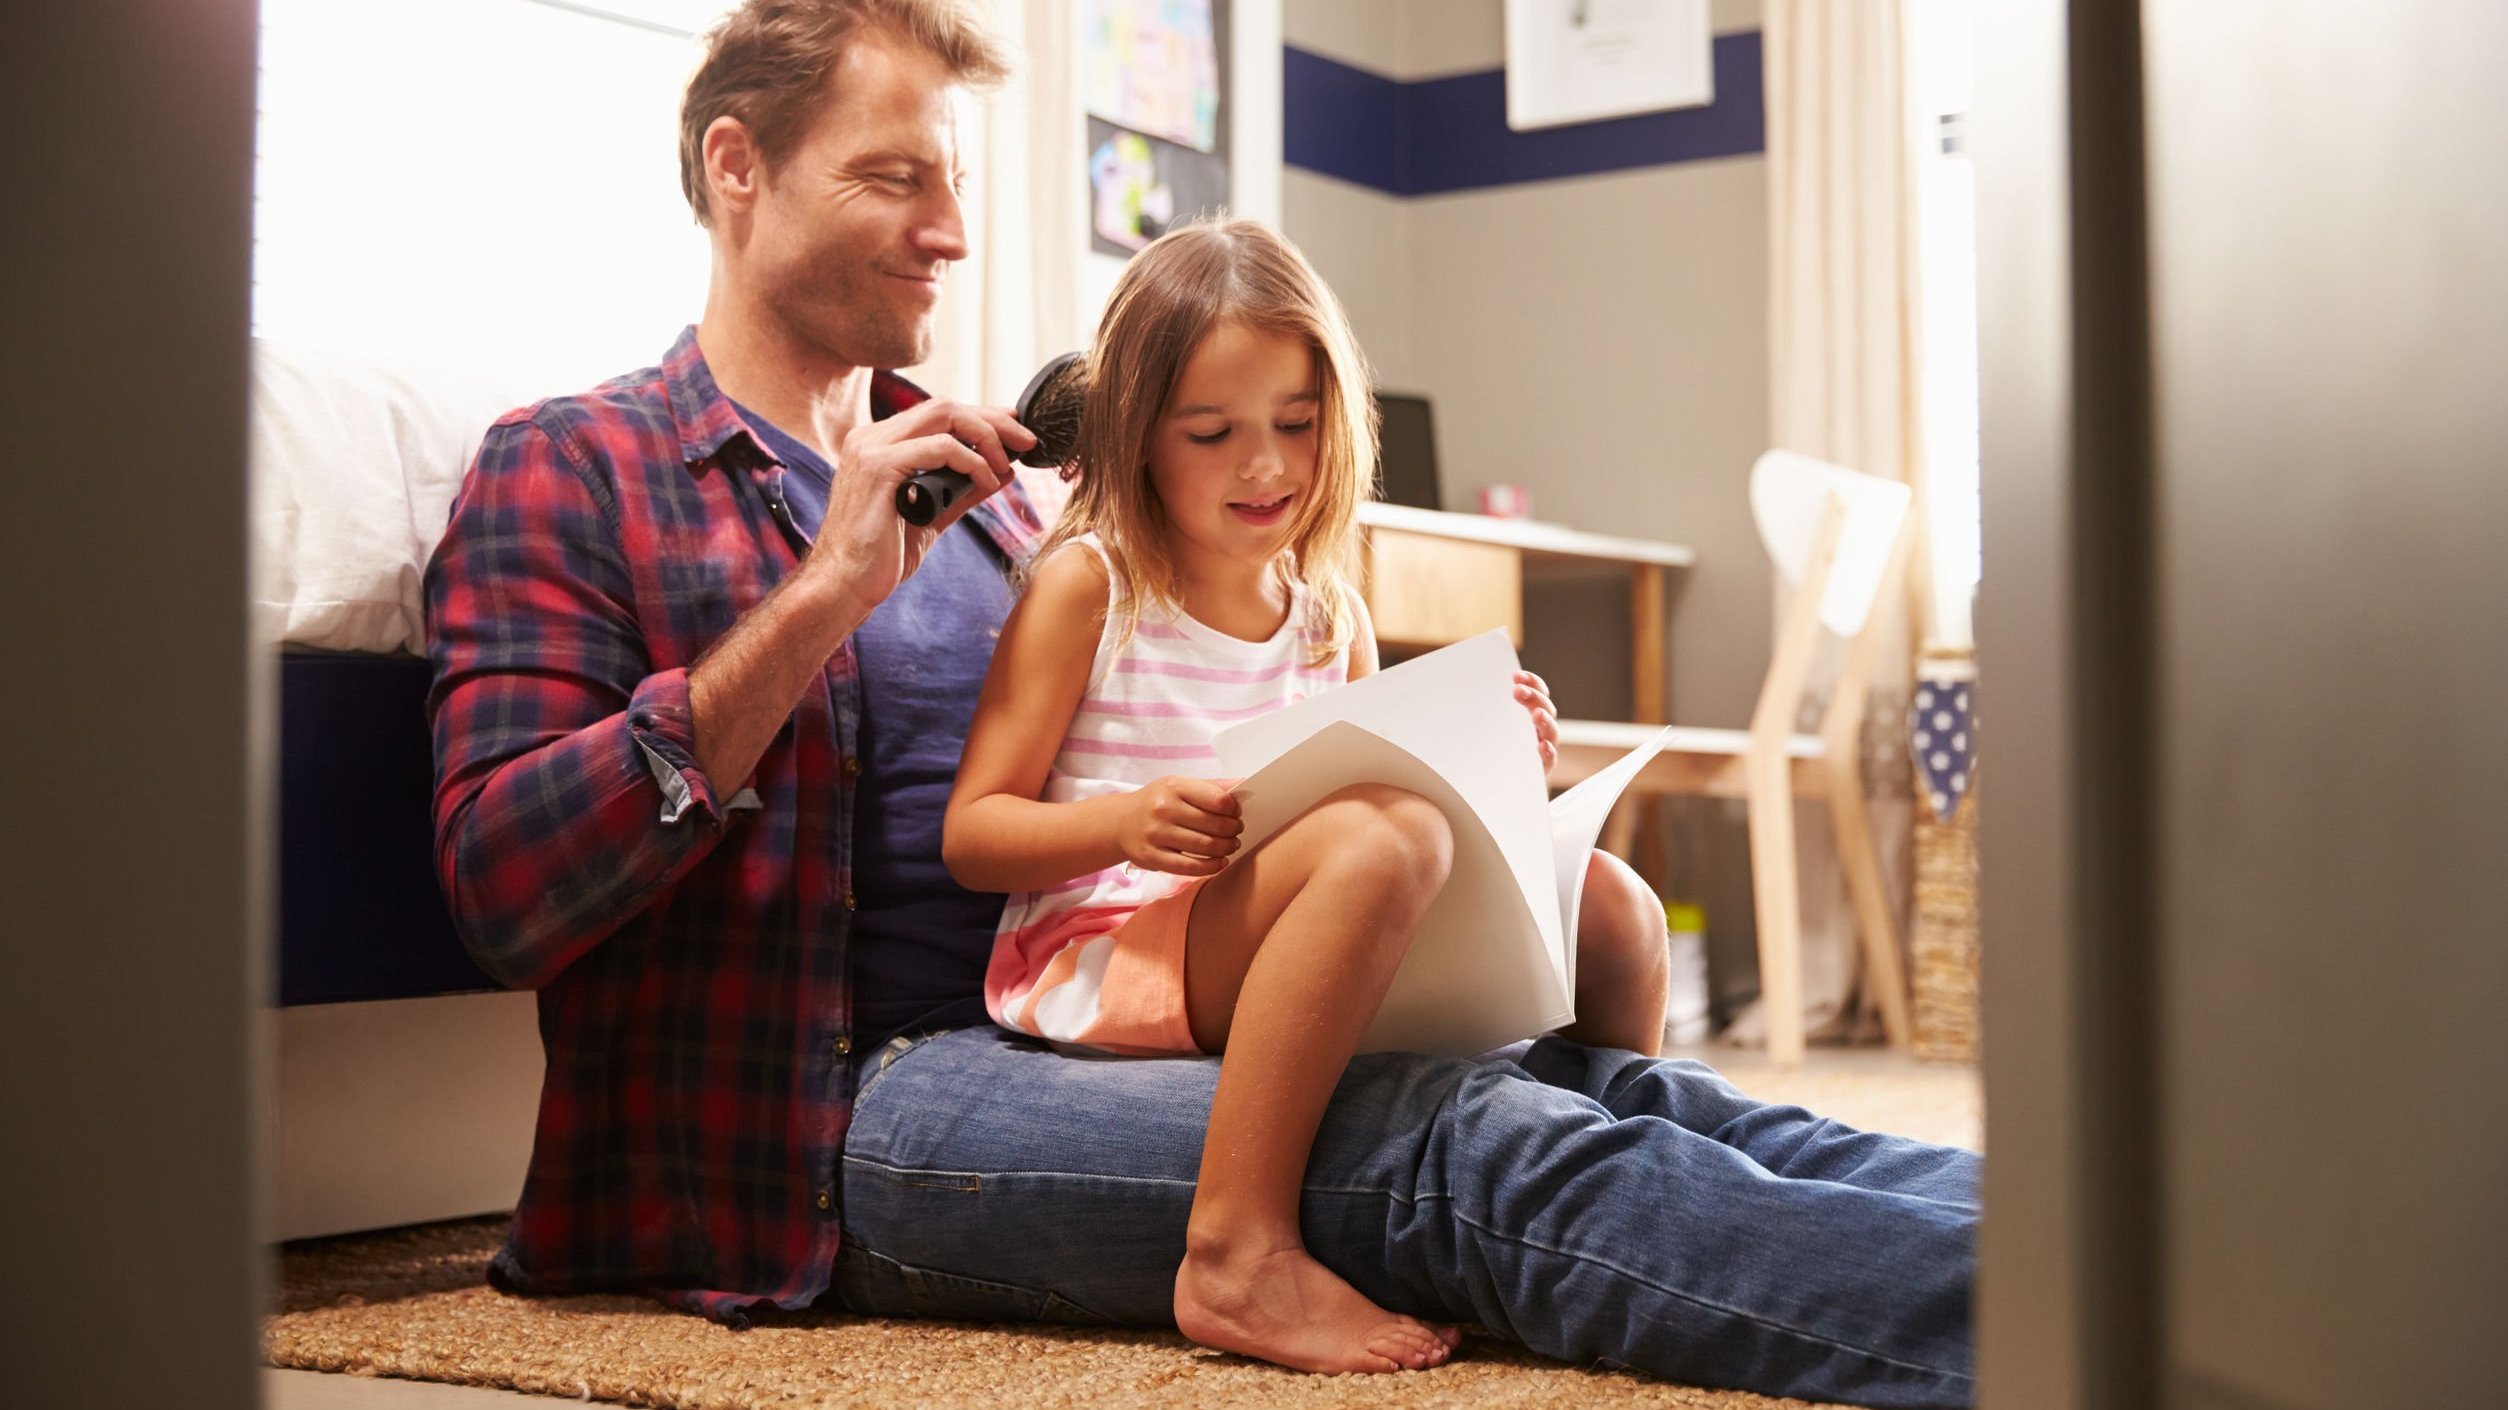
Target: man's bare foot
1283,1306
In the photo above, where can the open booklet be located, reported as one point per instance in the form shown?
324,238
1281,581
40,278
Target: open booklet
1495,957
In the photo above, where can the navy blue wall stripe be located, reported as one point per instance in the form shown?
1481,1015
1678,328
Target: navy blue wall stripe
1450,134
1340,121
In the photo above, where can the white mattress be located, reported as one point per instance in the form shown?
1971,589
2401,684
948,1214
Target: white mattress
355,461
354,465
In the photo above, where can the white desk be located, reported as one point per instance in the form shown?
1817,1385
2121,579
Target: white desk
1435,577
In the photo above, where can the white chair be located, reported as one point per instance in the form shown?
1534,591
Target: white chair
1836,535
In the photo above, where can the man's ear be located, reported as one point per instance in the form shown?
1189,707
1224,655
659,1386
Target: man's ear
733,165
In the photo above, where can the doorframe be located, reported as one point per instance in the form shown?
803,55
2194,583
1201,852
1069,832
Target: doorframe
2069,1312
133,884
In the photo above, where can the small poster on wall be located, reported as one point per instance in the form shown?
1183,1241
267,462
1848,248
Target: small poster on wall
1140,187
1154,73
1584,60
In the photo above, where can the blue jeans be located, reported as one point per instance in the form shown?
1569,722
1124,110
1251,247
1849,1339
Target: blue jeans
1595,1205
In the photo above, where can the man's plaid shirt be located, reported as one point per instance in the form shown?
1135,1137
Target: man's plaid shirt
687,938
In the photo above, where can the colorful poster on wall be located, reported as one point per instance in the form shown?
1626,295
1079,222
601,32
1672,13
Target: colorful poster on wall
1141,186
1156,83
1155,66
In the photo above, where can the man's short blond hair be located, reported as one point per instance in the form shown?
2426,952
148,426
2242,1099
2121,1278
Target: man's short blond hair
768,64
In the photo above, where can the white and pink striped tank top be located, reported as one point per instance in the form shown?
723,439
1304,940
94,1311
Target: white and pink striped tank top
1153,707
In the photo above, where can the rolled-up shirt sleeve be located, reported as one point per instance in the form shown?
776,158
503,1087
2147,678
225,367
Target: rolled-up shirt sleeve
567,790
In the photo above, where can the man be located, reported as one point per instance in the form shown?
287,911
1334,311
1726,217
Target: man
698,695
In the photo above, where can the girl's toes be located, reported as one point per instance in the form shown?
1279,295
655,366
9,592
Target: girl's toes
1405,1346
1419,1347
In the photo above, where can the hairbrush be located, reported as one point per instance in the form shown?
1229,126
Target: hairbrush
1049,408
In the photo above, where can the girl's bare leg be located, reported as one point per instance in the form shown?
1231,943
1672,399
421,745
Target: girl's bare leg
1623,962
1289,953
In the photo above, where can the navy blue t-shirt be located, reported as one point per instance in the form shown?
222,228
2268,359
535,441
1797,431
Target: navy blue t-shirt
920,940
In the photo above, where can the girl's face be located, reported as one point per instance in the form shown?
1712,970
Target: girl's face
1234,452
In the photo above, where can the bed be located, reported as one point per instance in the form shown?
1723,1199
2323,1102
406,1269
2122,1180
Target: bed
405,1081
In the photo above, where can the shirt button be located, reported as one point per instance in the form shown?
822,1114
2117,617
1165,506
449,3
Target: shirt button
844,1045
848,900
853,767
826,1200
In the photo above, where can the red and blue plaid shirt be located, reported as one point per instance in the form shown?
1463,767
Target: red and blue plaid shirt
686,938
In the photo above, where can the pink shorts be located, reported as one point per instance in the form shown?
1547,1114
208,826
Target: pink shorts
1121,991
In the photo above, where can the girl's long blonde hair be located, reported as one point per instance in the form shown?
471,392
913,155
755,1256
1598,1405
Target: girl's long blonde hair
1186,283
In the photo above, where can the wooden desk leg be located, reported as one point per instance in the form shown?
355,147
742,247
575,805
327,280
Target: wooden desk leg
1619,830
1647,850
1647,635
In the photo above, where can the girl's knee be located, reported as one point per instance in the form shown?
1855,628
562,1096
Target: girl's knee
1398,839
1618,887
1621,927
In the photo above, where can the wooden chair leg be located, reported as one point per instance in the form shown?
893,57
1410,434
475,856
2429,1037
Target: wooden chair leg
1779,907
1874,923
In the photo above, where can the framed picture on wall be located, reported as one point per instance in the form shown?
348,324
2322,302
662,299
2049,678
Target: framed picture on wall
1155,77
1584,60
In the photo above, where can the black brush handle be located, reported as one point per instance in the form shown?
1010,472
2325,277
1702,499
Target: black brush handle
921,499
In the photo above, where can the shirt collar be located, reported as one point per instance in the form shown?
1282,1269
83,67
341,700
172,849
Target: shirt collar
707,424
707,421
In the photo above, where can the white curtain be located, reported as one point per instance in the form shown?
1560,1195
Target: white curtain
1844,315
1015,300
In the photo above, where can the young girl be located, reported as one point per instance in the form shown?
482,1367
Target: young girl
1200,576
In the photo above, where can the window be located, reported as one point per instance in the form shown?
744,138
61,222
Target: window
476,181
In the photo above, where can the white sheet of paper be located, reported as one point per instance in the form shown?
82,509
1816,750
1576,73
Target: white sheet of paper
1479,972
1576,819
1454,710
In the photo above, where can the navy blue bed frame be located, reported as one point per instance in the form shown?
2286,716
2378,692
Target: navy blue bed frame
359,913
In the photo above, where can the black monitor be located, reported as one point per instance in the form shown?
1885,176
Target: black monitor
1407,447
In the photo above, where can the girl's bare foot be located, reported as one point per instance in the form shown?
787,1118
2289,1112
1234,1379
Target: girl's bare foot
1281,1305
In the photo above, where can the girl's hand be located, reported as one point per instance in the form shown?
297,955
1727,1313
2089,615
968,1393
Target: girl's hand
1534,695
1187,826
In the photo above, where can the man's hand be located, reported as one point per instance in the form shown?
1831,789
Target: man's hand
864,547
1534,695
743,688
1186,826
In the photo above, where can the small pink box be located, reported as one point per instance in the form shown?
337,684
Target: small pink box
1506,502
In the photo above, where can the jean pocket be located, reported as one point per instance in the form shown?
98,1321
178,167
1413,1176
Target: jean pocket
886,1058
952,1296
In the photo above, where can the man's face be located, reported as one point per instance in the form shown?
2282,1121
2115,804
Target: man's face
854,229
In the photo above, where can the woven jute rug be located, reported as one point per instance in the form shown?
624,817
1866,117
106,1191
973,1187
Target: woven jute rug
411,1303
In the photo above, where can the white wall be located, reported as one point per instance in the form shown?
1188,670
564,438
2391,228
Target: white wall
1255,36
1360,240
1600,340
